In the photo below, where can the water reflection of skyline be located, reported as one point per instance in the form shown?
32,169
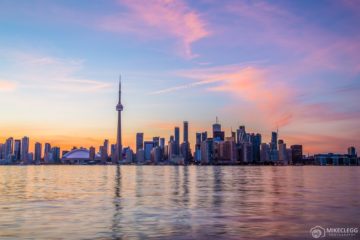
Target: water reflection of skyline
175,202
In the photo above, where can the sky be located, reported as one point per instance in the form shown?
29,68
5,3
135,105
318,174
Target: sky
287,65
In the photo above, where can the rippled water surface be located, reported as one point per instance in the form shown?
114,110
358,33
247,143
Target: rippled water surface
175,202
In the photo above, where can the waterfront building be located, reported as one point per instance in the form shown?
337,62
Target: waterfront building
352,151
282,153
77,156
113,153
106,148
162,144
264,153
227,151
297,154
204,136
332,159
177,141
139,141
247,153
155,155
92,153
30,158
103,154
17,150
241,136
185,152
55,155
186,131
255,140
1,151
47,150
148,146
207,150
140,156
156,141
24,149
38,149
128,155
171,148
218,135
9,148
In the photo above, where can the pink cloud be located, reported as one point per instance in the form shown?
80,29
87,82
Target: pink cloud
160,19
255,85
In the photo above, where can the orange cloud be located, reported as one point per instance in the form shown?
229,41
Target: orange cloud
7,86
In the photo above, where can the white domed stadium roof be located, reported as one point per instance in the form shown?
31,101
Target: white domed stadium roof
81,153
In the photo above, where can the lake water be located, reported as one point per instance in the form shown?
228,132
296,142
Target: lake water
176,202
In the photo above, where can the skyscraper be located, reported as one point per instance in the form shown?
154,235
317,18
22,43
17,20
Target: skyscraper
216,126
47,150
217,133
297,154
119,108
139,141
148,146
106,147
241,135
37,152
274,137
92,153
156,141
255,140
177,141
274,153
9,148
203,136
352,151
186,131
24,149
17,149
282,152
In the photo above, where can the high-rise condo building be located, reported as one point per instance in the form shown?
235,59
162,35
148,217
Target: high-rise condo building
139,141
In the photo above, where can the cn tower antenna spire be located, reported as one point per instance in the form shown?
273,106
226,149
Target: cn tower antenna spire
120,88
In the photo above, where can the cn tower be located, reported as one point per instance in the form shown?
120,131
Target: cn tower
119,108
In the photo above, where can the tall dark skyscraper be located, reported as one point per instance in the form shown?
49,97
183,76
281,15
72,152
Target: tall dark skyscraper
216,127
218,135
296,154
106,147
37,152
177,140
274,141
139,141
186,131
156,141
24,148
17,149
204,136
198,138
119,108
256,142
241,135
9,147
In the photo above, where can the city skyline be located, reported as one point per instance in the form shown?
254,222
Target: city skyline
213,148
265,65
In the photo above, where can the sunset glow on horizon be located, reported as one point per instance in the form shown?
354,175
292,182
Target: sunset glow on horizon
268,65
